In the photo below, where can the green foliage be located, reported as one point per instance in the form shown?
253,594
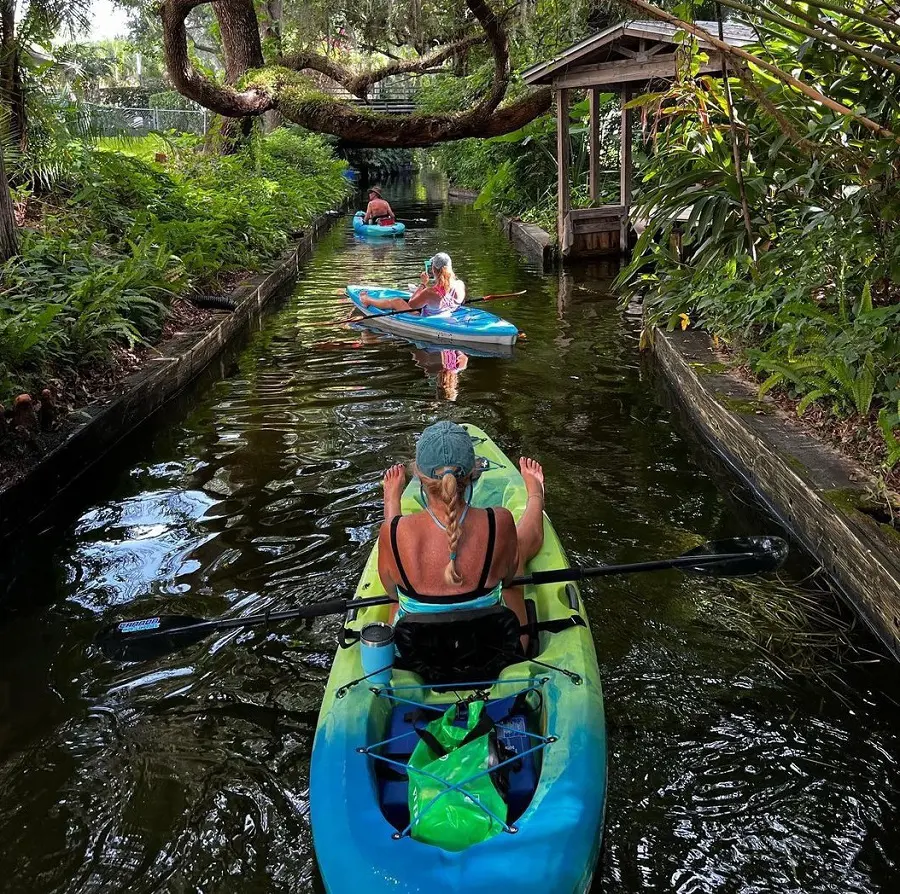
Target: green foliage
516,173
379,162
171,99
125,236
816,312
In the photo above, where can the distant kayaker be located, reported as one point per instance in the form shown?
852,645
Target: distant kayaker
378,210
453,551
444,295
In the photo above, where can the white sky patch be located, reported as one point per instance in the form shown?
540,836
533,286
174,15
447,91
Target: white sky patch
108,21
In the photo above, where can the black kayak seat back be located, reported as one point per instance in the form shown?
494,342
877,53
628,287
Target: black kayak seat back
513,719
459,646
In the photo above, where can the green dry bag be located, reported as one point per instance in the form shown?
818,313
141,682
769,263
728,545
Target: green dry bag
455,755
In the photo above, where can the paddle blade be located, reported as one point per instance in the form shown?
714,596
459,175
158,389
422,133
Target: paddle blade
762,554
149,638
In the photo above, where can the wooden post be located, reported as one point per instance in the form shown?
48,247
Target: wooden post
594,101
562,167
625,171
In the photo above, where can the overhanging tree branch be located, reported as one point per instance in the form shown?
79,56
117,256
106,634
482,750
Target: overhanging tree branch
359,84
298,99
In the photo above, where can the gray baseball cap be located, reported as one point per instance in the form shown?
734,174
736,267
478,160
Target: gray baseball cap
445,447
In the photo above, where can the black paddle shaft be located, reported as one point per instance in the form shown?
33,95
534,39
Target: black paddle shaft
147,638
137,630
558,575
414,310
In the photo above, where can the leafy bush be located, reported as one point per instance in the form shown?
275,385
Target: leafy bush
515,174
810,300
125,236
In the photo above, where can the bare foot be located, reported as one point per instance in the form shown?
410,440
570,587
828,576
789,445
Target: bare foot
364,299
394,482
533,473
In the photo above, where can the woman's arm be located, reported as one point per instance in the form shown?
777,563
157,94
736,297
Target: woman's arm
426,296
368,215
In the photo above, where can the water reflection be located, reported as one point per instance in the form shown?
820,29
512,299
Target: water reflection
445,365
736,765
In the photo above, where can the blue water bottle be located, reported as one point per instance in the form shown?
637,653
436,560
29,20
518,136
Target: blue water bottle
376,647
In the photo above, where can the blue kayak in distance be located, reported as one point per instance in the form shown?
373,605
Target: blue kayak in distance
464,326
364,229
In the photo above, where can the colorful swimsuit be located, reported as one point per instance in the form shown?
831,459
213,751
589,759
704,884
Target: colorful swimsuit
450,300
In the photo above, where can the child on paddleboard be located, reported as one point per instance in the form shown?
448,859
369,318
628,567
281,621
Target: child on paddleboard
444,296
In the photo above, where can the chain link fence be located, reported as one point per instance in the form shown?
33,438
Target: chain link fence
116,121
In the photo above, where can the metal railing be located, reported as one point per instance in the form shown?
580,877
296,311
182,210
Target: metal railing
393,95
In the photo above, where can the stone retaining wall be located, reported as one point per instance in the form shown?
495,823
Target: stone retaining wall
817,493
176,363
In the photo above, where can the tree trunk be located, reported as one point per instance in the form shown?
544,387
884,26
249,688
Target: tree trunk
239,30
242,49
271,28
9,235
12,90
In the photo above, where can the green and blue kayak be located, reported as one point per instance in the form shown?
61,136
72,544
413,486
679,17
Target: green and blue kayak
548,709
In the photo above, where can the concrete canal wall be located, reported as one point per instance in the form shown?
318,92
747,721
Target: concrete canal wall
175,364
817,493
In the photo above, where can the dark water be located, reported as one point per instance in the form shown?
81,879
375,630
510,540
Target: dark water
737,763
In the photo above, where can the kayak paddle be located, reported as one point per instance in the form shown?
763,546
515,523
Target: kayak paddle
735,557
394,313
148,638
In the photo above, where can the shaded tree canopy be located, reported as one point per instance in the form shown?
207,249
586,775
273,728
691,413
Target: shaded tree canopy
291,83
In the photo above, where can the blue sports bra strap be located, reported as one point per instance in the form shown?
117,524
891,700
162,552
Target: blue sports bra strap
489,552
406,584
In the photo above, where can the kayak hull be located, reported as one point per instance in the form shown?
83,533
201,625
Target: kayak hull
465,326
555,847
364,229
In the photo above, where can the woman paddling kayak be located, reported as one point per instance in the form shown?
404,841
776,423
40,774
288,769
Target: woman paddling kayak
454,555
447,293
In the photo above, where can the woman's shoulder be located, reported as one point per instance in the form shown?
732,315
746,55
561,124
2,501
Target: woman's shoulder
504,518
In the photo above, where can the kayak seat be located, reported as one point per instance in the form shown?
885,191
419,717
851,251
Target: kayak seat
513,719
460,646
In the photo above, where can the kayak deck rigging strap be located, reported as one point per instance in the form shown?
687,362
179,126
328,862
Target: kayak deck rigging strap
541,742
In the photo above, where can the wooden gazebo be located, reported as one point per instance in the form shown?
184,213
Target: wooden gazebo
624,58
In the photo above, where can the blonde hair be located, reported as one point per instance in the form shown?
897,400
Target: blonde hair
445,277
449,489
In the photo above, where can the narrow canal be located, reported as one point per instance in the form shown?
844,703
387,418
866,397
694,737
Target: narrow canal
753,748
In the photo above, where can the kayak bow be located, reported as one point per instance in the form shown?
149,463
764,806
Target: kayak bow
364,229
